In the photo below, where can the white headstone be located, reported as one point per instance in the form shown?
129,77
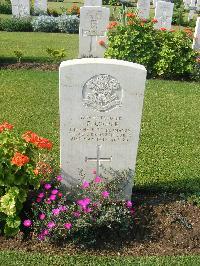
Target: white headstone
154,3
187,4
20,8
40,6
92,29
100,115
93,3
196,40
164,13
143,7
198,5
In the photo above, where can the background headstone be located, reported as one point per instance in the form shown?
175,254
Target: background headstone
93,3
100,115
196,40
20,8
143,7
93,23
40,6
164,13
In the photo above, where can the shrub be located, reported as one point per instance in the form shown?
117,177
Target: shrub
73,10
78,216
45,24
5,8
166,54
68,23
52,12
18,53
16,24
20,172
56,55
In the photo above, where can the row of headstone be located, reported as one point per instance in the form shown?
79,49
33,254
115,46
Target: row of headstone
21,8
163,12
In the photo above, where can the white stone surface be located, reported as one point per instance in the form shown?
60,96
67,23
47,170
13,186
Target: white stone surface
20,8
198,5
92,29
93,3
196,40
100,104
143,7
40,6
164,13
187,4
154,3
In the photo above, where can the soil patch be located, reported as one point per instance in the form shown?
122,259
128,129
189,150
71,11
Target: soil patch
164,225
33,66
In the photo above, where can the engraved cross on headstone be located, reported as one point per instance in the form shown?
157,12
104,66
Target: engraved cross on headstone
98,160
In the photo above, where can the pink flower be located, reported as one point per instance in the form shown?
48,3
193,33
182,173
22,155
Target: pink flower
59,178
42,216
47,186
38,200
60,194
27,223
41,237
54,191
129,204
85,184
68,226
87,210
94,172
55,212
45,232
76,214
41,195
105,194
48,201
63,208
51,224
83,203
52,197
98,179
132,211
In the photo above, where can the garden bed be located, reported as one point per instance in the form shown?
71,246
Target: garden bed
165,225
34,66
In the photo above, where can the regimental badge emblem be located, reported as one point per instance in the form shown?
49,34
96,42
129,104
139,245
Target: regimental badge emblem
102,93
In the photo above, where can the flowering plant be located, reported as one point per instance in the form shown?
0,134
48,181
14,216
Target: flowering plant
20,171
79,216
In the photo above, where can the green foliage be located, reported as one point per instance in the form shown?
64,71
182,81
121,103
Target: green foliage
164,53
5,8
16,24
55,54
19,159
111,2
18,53
194,198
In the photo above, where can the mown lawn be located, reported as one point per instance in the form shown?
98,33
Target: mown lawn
169,151
25,259
34,44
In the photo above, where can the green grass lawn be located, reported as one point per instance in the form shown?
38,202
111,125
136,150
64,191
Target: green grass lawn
8,258
169,151
34,44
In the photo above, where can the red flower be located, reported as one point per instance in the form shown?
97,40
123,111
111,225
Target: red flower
154,20
111,25
39,142
19,159
144,20
163,29
130,15
101,42
4,126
